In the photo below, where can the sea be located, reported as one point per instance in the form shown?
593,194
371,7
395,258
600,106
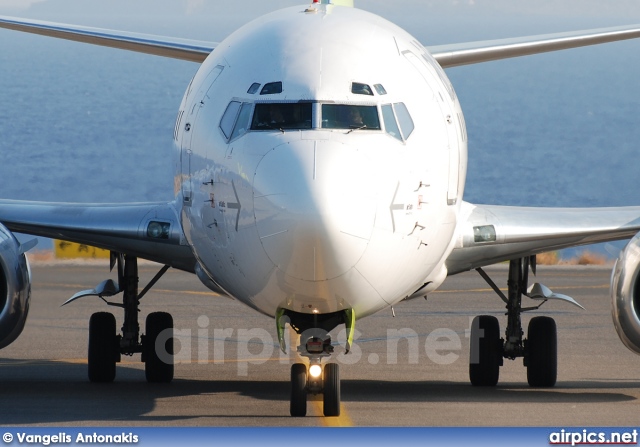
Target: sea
80,123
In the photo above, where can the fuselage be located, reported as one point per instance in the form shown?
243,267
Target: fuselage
321,158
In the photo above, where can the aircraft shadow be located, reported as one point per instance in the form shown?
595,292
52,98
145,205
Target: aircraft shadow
45,392
440,391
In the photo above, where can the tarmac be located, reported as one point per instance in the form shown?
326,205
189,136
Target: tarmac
407,370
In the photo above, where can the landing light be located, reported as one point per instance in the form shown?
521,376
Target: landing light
158,230
484,233
315,371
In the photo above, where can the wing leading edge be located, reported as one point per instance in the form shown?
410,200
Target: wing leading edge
184,49
123,228
488,234
490,50
450,55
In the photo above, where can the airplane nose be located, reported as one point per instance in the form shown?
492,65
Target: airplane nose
313,207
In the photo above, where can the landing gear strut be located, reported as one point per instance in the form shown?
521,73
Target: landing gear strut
106,347
539,350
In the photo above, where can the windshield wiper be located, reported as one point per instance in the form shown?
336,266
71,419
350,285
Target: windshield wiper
270,126
364,126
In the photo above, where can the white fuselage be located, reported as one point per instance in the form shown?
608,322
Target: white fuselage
315,216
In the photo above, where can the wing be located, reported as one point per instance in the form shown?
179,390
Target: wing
121,228
451,55
488,234
491,50
190,50
147,230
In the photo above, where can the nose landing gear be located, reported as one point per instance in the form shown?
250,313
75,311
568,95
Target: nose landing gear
315,344
314,380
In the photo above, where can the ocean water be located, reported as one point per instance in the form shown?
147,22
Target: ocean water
81,123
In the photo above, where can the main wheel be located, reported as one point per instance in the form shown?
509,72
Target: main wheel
331,390
157,348
298,407
103,347
486,351
542,352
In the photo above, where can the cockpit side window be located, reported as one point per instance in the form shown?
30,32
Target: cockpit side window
281,116
254,88
394,115
235,120
242,123
272,88
390,124
361,89
404,119
380,89
229,118
342,116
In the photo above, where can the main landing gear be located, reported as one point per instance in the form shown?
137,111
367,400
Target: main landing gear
539,350
315,344
106,346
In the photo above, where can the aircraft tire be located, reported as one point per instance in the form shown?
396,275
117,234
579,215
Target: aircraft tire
331,390
486,351
103,347
542,352
158,366
298,404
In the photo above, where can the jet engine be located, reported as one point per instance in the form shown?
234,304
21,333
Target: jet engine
15,287
625,295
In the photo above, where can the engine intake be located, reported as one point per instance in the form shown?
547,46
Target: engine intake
625,295
15,288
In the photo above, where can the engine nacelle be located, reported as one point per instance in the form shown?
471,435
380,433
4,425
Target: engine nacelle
625,295
15,288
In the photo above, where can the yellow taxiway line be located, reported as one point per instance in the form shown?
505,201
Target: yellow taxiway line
344,420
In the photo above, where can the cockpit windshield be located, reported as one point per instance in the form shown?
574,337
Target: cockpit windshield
342,116
241,117
282,116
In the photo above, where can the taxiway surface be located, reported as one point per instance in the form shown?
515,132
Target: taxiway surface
411,370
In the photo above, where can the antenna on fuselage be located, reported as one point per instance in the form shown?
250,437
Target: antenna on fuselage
335,2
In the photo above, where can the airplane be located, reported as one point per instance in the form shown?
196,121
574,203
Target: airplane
320,157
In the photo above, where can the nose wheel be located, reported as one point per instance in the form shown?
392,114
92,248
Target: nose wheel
331,390
303,383
298,407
